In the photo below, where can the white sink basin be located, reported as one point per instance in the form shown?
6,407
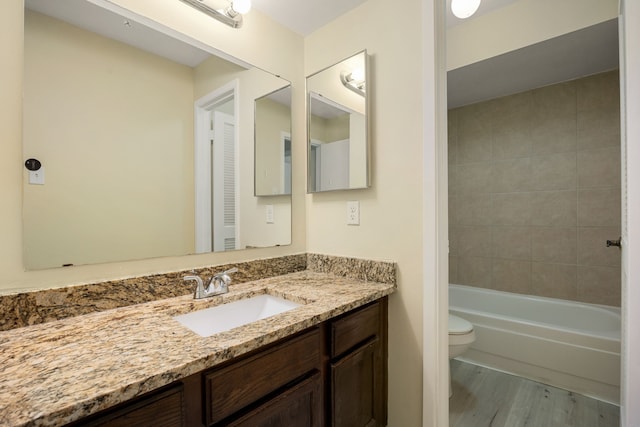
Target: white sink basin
231,315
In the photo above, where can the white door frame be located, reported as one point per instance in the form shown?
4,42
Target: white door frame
435,273
630,110
202,161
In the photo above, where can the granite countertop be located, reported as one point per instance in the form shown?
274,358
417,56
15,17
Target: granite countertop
57,372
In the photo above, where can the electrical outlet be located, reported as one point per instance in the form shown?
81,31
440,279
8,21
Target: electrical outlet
269,211
353,213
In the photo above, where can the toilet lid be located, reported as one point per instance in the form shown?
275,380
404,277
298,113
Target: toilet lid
459,326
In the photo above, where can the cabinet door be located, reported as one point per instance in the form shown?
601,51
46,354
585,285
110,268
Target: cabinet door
301,405
355,388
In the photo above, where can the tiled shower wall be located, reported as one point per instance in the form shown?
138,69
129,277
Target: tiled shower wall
534,191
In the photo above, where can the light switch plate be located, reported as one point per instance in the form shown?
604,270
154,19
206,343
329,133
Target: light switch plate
269,211
353,212
36,177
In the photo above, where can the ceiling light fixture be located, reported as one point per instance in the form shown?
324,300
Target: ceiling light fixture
225,11
464,8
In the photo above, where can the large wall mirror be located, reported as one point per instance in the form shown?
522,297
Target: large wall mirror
146,143
338,147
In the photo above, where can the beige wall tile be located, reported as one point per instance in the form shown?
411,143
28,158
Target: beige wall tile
511,209
531,168
474,271
599,208
452,132
474,209
453,180
557,134
474,178
512,140
511,130
453,269
598,129
511,276
474,241
511,243
554,172
592,248
599,285
453,240
554,280
599,167
512,175
600,91
554,208
452,211
555,100
474,133
554,244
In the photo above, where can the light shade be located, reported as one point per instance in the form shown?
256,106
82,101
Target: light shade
464,8
241,6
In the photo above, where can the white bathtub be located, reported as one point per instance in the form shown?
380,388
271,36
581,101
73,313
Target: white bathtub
566,344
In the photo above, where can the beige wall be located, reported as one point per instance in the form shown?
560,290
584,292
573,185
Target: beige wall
286,60
391,211
485,36
535,191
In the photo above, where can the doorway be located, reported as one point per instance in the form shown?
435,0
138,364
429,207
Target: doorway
581,267
216,171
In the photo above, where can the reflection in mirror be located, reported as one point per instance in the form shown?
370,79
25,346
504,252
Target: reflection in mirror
337,121
117,112
273,143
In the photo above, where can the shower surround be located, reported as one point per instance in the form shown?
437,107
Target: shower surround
534,191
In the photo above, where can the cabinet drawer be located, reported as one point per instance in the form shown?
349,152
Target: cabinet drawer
163,409
354,328
300,405
233,387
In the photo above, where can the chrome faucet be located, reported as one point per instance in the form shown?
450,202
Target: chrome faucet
218,284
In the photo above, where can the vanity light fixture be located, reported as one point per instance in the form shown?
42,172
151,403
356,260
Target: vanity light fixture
354,80
464,8
225,11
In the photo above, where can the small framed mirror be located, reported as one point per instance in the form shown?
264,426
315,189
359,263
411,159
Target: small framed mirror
337,126
273,143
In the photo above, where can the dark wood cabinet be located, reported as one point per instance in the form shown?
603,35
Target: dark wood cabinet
358,368
334,374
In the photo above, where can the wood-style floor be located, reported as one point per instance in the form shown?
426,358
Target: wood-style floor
486,398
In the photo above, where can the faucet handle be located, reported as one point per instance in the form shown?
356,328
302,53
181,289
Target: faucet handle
195,278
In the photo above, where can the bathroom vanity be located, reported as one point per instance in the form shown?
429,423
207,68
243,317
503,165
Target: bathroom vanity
330,374
322,363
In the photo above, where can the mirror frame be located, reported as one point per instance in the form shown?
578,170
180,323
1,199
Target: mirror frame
367,133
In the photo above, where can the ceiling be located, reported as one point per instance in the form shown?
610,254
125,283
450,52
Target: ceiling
305,16
577,54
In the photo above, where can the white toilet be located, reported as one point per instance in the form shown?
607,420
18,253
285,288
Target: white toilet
461,335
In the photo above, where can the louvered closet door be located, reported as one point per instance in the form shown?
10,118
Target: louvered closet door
225,204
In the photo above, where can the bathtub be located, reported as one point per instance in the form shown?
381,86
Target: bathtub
566,344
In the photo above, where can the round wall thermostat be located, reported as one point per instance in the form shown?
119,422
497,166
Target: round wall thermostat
33,164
